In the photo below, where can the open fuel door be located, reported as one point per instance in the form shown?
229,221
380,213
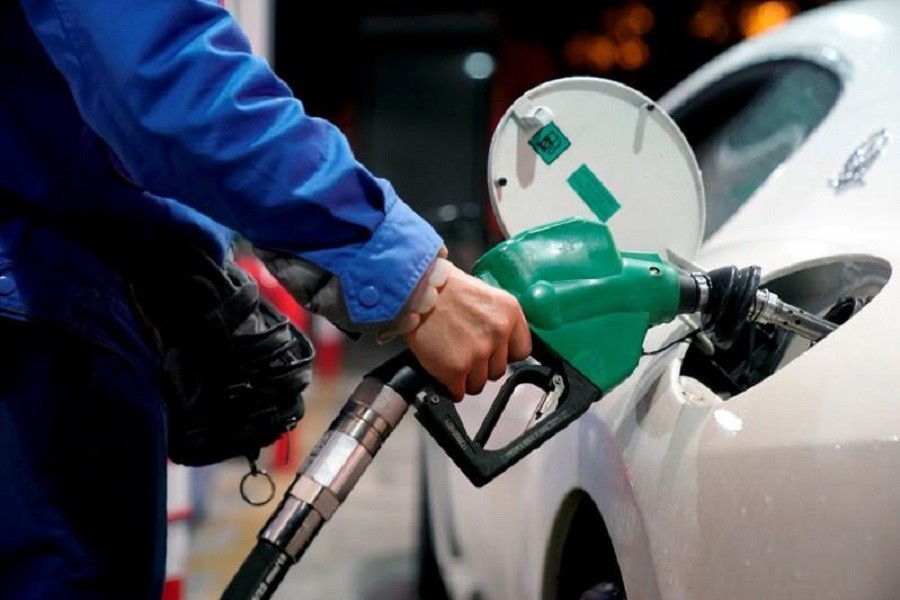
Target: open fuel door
594,148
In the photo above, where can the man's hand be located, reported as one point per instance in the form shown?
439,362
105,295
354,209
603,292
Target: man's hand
471,335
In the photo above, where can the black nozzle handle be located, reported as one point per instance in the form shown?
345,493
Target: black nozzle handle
260,574
405,375
436,410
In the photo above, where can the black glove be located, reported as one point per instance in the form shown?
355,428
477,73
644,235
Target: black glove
234,367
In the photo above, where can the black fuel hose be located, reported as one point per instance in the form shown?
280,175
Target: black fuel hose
260,574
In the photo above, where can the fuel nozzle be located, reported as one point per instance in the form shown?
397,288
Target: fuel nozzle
728,298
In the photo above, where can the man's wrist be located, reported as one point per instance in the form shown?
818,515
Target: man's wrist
422,301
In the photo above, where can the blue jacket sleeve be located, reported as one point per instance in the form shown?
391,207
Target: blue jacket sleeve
174,90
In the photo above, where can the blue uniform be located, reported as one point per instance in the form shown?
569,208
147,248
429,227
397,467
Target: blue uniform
108,111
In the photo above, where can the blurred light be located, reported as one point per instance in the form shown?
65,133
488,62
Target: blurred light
709,23
767,15
632,54
628,21
479,65
591,51
601,52
575,50
638,19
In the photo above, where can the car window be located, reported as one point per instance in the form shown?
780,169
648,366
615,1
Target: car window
744,126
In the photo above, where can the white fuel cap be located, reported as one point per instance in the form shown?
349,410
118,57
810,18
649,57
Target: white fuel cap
595,148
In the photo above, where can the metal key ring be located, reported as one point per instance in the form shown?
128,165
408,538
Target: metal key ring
253,473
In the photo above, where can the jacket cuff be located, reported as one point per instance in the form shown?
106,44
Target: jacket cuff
386,270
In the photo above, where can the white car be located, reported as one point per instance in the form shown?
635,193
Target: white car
769,470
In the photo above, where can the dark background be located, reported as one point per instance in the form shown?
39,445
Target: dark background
392,77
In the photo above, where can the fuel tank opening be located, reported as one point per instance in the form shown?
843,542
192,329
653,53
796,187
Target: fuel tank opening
835,288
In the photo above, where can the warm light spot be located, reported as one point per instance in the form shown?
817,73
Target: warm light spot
709,23
591,51
632,54
764,16
601,53
575,50
637,18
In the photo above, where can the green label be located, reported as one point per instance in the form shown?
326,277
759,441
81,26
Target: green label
549,142
592,191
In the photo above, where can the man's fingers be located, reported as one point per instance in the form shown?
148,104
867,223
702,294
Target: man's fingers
457,389
520,340
498,363
477,377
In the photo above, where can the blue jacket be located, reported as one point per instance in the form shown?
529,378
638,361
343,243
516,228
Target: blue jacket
123,126
99,94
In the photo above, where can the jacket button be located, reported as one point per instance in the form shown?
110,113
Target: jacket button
7,285
369,296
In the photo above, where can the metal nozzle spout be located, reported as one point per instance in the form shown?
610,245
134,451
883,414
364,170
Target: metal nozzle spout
769,308
728,298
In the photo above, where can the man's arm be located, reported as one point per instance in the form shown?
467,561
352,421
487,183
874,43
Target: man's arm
174,90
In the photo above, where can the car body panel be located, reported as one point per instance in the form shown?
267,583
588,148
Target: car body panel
786,490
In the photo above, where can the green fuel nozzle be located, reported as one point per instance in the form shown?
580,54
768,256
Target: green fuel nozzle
589,302
589,306
593,304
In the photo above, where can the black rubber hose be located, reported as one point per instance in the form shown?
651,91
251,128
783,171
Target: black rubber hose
731,295
260,573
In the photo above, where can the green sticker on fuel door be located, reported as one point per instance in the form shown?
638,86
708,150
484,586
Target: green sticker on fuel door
592,191
549,142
